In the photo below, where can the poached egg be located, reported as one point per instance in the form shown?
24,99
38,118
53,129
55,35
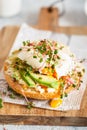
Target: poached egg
64,66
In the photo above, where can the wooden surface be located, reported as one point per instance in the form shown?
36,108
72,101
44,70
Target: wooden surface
11,113
48,18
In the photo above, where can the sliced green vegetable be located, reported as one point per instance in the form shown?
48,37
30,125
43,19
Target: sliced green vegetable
45,80
25,76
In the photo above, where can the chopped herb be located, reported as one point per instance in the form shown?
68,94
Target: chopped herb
17,68
65,94
49,52
61,96
48,59
25,43
11,95
42,41
83,70
28,49
9,88
53,66
41,59
40,77
28,41
1,103
79,74
34,56
20,49
30,105
58,57
74,85
37,72
41,48
13,92
81,81
55,51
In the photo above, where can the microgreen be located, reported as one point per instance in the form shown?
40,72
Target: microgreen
40,77
1,103
74,85
41,59
20,49
34,56
55,51
61,96
28,49
65,94
11,95
25,43
30,105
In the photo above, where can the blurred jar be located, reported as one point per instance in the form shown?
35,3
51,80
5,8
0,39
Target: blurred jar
61,7
85,7
9,7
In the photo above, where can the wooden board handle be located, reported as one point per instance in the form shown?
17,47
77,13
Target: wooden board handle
48,18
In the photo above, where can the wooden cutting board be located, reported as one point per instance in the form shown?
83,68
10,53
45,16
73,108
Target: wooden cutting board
18,114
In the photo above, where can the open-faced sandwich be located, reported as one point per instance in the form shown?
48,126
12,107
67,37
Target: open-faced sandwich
43,70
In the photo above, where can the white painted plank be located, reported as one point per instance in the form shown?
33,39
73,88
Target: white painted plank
30,127
61,38
78,45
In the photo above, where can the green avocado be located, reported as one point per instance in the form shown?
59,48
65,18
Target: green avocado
45,80
25,76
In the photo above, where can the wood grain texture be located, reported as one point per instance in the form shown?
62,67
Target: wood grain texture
7,37
48,18
11,113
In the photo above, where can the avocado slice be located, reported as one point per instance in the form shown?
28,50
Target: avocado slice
45,80
25,76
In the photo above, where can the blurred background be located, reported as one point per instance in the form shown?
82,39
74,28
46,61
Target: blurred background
72,12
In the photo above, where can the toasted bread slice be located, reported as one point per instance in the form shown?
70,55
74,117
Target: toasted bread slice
32,93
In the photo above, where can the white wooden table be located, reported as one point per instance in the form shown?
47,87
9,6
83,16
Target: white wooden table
29,127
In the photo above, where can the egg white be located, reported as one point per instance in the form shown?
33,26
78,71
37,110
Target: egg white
64,66
28,57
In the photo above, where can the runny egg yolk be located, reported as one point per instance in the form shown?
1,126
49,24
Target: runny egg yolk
49,72
56,102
